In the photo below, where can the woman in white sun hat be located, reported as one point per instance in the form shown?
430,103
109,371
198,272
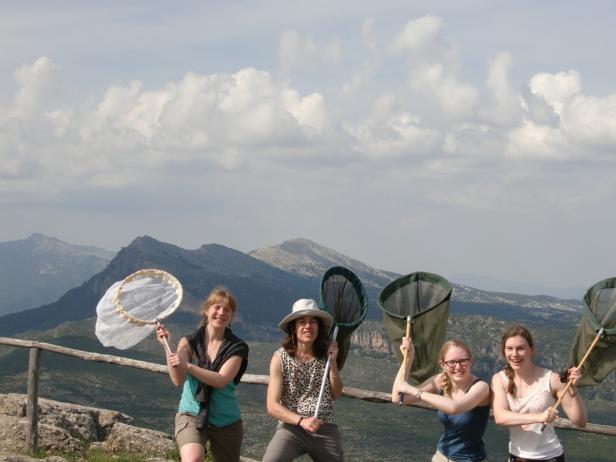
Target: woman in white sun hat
296,372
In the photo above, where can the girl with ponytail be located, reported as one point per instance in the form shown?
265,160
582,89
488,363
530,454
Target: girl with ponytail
524,394
462,401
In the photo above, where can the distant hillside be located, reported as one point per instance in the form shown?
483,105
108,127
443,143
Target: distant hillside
265,293
307,258
40,269
266,282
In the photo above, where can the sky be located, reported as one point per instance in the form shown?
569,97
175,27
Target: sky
474,139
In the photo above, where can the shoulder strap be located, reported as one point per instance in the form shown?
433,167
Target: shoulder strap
470,386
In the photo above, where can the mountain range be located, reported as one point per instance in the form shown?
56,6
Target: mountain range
39,269
265,281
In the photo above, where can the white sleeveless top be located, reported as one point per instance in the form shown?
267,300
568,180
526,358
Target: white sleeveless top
528,441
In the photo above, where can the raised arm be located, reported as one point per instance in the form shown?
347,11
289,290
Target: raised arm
276,409
503,415
479,394
182,353
400,383
572,403
179,365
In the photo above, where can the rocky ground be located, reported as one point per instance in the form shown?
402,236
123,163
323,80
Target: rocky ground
73,430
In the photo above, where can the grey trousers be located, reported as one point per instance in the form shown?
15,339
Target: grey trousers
290,442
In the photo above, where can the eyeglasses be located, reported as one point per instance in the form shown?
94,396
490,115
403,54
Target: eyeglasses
452,362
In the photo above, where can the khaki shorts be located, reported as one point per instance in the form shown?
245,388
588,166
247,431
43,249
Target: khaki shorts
225,442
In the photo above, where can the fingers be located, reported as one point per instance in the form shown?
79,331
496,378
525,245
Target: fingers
162,333
407,348
311,424
406,344
574,374
550,415
174,360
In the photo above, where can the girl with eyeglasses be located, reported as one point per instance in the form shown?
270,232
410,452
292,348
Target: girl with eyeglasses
524,394
461,399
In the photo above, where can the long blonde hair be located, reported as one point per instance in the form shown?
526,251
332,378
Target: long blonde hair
446,384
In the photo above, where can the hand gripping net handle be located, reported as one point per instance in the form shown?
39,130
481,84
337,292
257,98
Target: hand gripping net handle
155,273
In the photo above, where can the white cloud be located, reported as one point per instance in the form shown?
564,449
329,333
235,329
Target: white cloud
591,122
505,108
533,141
557,89
299,51
562,123
417,34
38,87
435,119
397,135
131,133
211,113
456,99
362,77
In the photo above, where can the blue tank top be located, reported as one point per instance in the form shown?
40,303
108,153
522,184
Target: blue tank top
462,439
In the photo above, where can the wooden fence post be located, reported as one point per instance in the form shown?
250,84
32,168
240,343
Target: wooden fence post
32,405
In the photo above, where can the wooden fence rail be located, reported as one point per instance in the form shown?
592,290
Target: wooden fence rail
33,376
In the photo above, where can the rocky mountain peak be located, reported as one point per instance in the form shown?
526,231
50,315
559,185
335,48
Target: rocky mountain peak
310,259
39,269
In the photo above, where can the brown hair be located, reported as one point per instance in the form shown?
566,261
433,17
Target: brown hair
319,349
219,294
446,384
514,331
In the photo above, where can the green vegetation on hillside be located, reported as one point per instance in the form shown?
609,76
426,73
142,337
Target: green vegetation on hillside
370,431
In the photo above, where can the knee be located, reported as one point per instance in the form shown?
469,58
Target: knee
192,458
192,453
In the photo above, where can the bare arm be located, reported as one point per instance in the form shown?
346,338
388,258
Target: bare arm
179,365
183,353
503,415
478,394
572,403
276,409
400,383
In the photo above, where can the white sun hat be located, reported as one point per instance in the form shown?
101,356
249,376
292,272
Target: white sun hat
307,307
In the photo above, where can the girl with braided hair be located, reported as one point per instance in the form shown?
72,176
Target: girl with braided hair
524,394
461,399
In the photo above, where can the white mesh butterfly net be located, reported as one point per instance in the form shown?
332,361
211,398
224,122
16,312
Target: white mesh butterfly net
130,309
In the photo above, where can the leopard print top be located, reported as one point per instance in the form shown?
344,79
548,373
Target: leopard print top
301,383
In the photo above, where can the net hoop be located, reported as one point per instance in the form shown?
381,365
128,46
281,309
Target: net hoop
148,272
403,281
359,290
590,299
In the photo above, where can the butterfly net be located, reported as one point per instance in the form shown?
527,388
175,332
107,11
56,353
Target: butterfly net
599,313
425,298
130,308
344,297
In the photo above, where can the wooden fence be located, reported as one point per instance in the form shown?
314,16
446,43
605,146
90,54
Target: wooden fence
35,360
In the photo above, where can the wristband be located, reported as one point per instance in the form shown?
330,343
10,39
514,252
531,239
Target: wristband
300,421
